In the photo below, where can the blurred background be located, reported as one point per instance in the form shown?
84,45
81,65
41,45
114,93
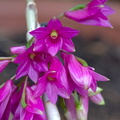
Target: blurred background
99,46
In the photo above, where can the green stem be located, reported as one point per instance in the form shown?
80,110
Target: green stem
23,102
60,16
6,58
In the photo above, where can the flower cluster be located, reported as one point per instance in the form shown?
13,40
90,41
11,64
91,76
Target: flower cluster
47,67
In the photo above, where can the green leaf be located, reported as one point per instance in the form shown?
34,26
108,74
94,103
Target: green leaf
30,42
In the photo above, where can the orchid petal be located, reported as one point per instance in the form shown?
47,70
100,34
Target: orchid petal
97,99
3,64
68,45
26,115
22,69
51,92
54,47
106,10
5,93
54,24
5,90
35,104
94,85
39,45
82,111
71,109
40,87
61,90
40,33
98,20
79,14
33,74
99,77
67,32
18,50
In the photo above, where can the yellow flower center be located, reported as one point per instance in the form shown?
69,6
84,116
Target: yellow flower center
32,55
102,6
54,34
50,78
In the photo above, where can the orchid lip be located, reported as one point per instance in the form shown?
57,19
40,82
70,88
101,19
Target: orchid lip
32,55
54,34
50,78
102,6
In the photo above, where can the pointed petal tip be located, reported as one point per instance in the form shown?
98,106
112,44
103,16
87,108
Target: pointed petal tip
112,27
74,50
102,102
107,79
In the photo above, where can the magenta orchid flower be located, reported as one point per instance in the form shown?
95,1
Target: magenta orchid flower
33,108
54,37
31,63
53,82
72,85
83,76
94,13
5,96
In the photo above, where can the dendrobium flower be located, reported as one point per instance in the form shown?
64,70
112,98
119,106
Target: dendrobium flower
32,108
83,76
53,82
5,96
54,37
94,13
31,63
